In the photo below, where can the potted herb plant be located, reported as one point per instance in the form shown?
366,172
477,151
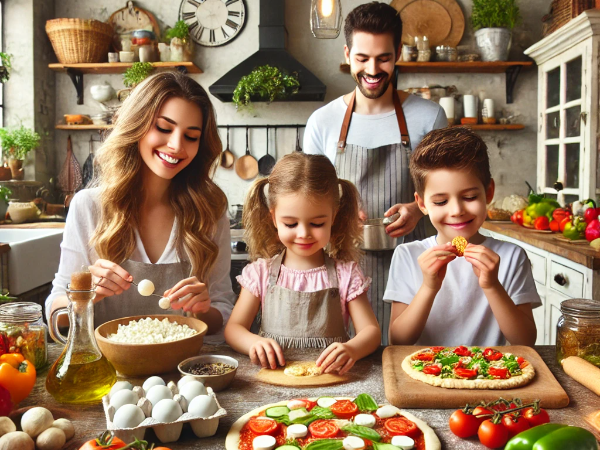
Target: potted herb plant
4,196
15,146
493,21
266,83
5,67
179,40
133,76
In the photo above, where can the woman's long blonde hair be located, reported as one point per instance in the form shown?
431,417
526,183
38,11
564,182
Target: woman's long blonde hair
197,201
314,177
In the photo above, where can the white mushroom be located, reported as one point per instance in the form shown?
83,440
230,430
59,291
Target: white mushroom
36,420
66,426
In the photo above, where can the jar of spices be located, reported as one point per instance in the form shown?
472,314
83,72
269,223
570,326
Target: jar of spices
578,330
22,330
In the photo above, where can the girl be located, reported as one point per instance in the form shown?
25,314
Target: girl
306,293
154,212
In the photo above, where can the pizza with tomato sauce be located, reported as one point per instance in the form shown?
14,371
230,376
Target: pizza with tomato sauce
468,368
328,423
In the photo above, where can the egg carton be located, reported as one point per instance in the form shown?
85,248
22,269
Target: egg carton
167,432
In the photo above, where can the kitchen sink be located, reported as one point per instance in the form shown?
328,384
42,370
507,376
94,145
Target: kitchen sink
33,257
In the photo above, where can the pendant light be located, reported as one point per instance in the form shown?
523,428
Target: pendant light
325,18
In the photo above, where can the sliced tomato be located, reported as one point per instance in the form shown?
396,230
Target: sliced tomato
424,356
323,429
492,354
309,404
401,426
432,369
344,409
462,351
499,372
520,360
465,373
437,349
262,426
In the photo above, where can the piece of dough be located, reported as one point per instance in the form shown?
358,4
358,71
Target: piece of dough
304,369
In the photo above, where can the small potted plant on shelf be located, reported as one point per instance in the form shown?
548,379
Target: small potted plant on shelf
179,40
266,83
133,76
15,146
493,21
5,67
4,197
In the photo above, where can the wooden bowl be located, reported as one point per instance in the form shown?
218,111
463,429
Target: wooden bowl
216,382
136,360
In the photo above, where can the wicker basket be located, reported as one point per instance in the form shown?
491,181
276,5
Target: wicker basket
79,41
563,11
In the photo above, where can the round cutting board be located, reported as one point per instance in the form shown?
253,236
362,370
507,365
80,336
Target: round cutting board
442,21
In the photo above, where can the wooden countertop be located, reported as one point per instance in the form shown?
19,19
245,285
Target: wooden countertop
30,225
579,253
246,393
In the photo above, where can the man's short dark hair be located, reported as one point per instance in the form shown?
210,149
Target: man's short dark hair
374,18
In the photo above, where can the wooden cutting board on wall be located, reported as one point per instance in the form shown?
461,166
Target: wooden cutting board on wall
405,392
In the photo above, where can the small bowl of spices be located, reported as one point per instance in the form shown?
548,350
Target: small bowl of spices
215,371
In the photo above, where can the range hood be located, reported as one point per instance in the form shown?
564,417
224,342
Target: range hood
271,50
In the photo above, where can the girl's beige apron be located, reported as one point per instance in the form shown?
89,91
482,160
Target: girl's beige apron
303,319
382,178
130,302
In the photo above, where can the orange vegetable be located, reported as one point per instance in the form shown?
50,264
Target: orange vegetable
17,375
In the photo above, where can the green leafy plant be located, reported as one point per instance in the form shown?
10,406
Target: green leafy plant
181,30
6,67
495,14
137,73
267,83
17,143
5,194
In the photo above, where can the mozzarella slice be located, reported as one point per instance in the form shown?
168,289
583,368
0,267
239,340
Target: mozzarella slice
296,404
326,402
296,430
387,411
353,443
366,420
265,442
404,442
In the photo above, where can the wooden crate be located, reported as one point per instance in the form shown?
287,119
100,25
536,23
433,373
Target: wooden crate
564,10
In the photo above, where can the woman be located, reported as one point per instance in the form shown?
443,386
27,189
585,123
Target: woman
154,212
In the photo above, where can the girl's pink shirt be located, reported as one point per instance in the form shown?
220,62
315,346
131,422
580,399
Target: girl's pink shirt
351,280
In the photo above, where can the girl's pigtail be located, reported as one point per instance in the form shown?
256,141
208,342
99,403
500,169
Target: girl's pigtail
346,231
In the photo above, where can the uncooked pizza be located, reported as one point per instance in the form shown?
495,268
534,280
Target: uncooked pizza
328,423
468,368
300,374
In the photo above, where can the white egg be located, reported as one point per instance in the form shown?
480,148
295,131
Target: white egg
153,381
158,393
404,442
203,406
146,288
164,303
184,380
118,386
191,390
166,410
123,397
387,411
128,416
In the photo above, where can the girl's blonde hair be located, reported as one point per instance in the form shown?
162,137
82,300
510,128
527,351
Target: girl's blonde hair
197,201
314,177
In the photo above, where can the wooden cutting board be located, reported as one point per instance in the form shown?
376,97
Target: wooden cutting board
405,392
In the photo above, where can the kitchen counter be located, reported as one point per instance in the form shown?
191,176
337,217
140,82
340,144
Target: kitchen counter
246,394
30,225
579,253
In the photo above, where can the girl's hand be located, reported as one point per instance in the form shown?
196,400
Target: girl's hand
485,265
110,279
338,357
266,353
189,294
433,263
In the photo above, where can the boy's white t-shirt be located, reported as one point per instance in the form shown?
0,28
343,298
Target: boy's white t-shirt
461,313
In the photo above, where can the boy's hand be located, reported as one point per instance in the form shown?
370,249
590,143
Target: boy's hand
338,357
485,265
433,263
266,353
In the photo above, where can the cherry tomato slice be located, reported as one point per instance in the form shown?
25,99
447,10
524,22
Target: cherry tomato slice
499,372
492,435
262,426
464,425
323,429
492,354
437,349
465,373
462,351
401,426
344,409
432,369
424,356
536,419
514,425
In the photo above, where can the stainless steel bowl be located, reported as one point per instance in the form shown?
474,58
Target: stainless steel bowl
375,238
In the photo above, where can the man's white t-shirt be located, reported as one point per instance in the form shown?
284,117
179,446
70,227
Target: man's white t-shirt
461,313
370,130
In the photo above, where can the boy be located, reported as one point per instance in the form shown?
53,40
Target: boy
484,298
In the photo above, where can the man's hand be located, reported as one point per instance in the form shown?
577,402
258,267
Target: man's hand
485,264
433,263
410,214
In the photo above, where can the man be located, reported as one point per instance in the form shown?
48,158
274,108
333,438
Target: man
369,133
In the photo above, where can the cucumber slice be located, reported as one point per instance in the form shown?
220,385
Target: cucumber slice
277,411
298,414
326,402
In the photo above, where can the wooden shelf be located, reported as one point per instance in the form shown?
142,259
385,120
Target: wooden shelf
62,126
493,127
120,67
453,67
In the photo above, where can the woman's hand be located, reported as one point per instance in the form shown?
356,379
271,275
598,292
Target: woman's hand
266,353
338,357
109,278
189,294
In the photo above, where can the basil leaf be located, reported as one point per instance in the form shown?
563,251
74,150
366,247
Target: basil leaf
419,366
475,350
322,413
448,361
366,403
383,446
363,432
325,444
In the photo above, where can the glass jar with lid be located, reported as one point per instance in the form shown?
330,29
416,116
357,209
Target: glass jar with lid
578,330
22,330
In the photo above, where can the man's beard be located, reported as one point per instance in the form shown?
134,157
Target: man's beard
372,93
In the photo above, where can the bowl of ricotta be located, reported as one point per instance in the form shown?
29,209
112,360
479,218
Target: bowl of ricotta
150,345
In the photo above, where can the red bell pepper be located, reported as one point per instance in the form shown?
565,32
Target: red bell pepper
554,226
517,217
541,223
592,231
591,214
560,213
563,223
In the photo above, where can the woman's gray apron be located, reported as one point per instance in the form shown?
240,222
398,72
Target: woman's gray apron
382,178
130,302
303,319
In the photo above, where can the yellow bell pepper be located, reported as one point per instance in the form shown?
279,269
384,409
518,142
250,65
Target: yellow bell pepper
17,375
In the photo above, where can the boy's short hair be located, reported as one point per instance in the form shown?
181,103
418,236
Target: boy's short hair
374,18
456,148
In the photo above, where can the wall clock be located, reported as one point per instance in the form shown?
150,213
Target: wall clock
213,22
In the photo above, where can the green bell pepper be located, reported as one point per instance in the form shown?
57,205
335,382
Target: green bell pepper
576,229
553,436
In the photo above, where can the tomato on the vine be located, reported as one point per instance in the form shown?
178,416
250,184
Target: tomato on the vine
480,410
536,417
464,424
106,441
514,424
492,435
